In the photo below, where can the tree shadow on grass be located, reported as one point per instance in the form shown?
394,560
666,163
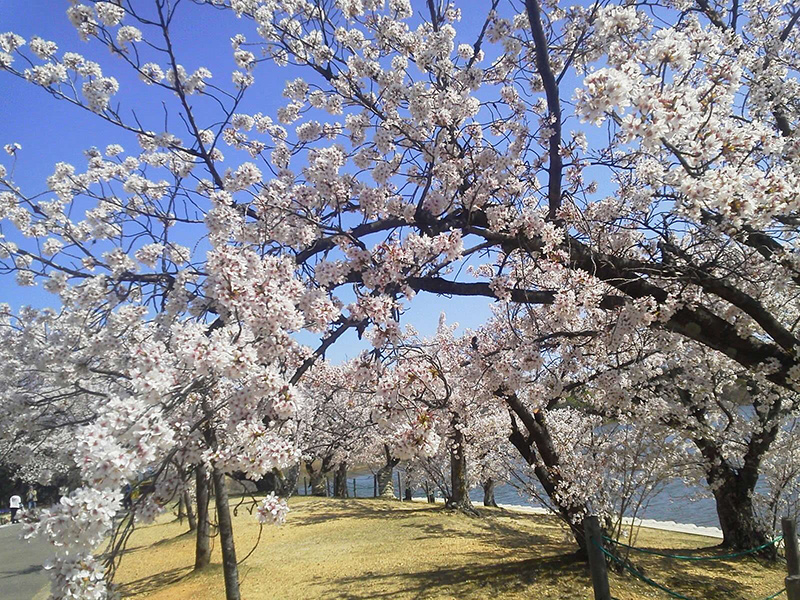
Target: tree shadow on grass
153,582
493,528
706,580
709,585
481,580
175,538
357,509
128,549
491,531
489,577
505,564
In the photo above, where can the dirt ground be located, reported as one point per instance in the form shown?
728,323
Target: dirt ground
366,548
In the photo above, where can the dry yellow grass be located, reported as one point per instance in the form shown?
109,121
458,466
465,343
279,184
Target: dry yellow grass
365,548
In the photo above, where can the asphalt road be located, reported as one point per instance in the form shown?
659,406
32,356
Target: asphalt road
21,572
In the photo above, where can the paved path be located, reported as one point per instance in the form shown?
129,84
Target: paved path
21,573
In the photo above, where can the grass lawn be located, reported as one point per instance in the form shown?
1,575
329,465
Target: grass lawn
366,548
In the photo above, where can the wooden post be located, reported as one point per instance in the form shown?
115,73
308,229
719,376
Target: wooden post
354,488
792,558
399,489
375,486
597,560
305,486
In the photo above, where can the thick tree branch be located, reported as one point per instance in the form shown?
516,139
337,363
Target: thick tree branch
553,106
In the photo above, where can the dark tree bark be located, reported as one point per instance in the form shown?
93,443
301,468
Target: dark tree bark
340,481
187,502
740,528
202,553
539,451
288,481
408,494
488,493
284,484
316,480
229,566
459,498
733,492
429,493
384,475
180,509
733,486
268,483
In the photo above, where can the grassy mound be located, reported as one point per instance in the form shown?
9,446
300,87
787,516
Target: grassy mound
365,548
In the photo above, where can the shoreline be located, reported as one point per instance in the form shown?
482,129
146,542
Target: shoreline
688,528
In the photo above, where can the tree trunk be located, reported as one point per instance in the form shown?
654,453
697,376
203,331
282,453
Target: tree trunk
459,498
488,493
180,509
740,528
202,553
316,480
408,494
429,493
284,484
546,466
733,489
227,544
288,481
187,502
340,481
571,515
385,483
384,476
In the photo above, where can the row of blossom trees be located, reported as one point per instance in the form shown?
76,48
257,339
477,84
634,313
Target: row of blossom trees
645,274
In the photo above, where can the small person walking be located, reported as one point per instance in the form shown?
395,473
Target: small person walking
33,497
14,503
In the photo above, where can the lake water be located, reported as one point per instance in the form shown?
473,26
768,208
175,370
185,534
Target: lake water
676,502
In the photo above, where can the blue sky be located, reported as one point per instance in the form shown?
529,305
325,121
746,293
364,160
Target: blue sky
51,131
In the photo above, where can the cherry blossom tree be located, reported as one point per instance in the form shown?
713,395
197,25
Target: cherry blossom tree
429,399
780,494
130,411
417,149
335,426
543,365
697,408
44,402
732,418
450,167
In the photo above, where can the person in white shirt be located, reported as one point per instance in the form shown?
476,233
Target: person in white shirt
14,503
